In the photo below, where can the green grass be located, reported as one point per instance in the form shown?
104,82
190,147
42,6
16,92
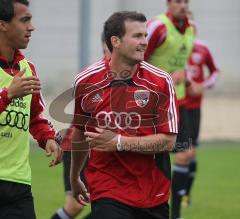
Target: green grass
216,192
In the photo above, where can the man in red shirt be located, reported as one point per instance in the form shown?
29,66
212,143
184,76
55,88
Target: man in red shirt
170,42
125,113
200,58
21,106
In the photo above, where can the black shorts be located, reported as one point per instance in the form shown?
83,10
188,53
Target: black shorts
194,118
16,201
183,137
66,171
108,208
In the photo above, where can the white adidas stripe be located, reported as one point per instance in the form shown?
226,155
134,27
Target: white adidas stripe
90,68
88,73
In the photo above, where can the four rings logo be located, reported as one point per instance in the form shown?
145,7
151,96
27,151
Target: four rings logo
16,119
120,120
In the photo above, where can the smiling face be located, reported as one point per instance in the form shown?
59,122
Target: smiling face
18,30
178,8
132,46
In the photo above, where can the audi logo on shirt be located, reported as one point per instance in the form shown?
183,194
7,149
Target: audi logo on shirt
14,118
119,120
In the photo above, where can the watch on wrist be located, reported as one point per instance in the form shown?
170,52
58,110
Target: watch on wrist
119,144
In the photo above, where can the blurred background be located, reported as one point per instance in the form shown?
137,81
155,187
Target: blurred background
67,38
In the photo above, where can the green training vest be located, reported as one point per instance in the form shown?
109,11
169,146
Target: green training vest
14,133
173,54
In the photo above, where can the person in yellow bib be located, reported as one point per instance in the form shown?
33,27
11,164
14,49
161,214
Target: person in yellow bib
21,106
170,42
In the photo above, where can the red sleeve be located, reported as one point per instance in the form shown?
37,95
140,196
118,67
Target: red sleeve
213,70
157,33
80,116
167,109
40,128
4,101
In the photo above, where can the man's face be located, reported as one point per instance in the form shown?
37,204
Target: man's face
178,8
20,27
134,43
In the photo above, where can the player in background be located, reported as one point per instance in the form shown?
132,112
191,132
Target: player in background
201,59
125,112
170,42
21,106
72,208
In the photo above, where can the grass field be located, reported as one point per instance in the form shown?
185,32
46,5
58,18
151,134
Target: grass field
216,193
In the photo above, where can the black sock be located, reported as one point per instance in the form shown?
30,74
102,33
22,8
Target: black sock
191,176
180,173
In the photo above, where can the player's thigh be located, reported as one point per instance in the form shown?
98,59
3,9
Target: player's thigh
194,117
111,209
182,158
183,136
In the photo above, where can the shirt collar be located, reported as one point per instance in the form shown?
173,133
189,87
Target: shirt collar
181,28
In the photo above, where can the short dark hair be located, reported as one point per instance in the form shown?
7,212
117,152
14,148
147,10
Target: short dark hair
115,25
7,8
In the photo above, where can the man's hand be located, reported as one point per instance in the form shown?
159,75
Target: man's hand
195,89
52,147
178,77
22,86
103,140
79,191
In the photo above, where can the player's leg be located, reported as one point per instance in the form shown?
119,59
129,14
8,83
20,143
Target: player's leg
181,163
16,201
108,208
71,207
194,124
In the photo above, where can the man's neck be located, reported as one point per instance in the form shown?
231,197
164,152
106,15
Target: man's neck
122,70
6,51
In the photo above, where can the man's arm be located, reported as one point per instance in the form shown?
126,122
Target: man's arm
150,144
42,129
106,140
80,150
214,72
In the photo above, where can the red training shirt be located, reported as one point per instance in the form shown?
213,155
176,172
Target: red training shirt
140,106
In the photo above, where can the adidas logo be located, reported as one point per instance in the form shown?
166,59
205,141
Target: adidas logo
97,98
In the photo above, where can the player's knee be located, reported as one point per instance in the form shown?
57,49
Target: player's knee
72,207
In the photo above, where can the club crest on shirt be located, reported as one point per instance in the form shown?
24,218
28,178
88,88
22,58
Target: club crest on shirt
141,97
196,57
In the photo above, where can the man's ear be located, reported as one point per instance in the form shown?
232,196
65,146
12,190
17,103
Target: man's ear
3,25
115,42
